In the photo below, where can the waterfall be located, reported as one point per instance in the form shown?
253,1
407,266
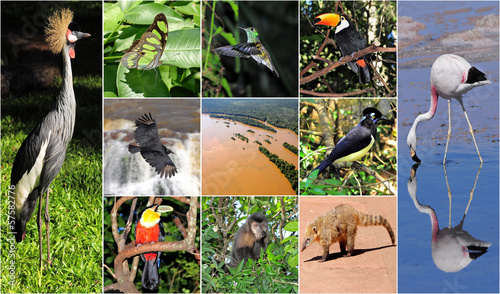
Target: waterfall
127,174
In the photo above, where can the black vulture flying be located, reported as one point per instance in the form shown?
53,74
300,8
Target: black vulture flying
151,148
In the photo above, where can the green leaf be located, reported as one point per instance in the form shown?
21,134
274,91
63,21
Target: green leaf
333,182
113,16
183,49
145,13
126,5
292,226
109,78
293,261
317,191
192,8
288,239
241,265
235,8
137,83
229,37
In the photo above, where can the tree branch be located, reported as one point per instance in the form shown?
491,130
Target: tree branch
354,93
331,65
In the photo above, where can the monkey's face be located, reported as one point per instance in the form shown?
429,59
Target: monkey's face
259,229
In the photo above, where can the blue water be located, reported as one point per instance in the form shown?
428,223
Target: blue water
416,268
434,14
417,272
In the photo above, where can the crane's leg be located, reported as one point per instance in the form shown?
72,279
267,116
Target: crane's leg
449,131
47,223
39,222
471,132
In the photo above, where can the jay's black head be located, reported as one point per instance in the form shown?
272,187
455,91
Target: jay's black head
373,113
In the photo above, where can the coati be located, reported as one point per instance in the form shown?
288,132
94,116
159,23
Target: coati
340,225
250,238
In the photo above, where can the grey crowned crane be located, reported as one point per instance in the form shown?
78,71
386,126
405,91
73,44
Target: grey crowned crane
42,153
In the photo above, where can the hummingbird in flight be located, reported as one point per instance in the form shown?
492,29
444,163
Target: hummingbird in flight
252,48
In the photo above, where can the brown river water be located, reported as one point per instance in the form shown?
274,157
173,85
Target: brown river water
234,167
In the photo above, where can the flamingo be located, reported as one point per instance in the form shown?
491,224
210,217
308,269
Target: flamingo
451,77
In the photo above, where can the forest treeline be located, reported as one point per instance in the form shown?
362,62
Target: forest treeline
245,120
285,167
291,148
281,113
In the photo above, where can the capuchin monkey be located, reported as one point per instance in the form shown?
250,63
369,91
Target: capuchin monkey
250,239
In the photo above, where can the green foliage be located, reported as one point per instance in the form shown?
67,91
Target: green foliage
179,271
291,148
285,167
281,113
178,76
342,79
276,271
241,137
245,120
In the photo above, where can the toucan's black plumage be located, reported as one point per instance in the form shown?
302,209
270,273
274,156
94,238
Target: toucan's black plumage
349,41
356,143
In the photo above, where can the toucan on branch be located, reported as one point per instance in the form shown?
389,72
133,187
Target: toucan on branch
124,282
368,50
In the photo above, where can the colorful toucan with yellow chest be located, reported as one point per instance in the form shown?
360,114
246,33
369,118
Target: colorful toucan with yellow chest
349,41
148,228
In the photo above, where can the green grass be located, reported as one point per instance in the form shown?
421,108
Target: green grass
75,199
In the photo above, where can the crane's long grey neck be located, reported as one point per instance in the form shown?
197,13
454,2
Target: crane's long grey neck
66,103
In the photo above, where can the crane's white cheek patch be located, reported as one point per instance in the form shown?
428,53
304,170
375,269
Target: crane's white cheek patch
70,37
30,179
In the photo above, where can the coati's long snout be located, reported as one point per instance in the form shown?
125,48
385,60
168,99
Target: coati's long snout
311,233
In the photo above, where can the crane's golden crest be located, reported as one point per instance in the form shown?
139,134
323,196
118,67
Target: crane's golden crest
55,31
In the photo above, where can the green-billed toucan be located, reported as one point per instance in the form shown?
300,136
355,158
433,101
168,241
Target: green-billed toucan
349,41
356,143
148,228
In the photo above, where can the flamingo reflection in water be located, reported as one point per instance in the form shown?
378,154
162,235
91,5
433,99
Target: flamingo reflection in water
452,248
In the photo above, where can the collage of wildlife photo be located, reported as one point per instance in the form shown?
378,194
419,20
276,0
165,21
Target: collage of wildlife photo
230,146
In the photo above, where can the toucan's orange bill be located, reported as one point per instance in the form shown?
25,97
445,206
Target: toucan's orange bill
329,19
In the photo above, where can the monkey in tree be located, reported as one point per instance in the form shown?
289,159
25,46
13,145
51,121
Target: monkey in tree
249,239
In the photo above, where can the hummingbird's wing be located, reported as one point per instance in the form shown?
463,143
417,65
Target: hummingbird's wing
245,50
